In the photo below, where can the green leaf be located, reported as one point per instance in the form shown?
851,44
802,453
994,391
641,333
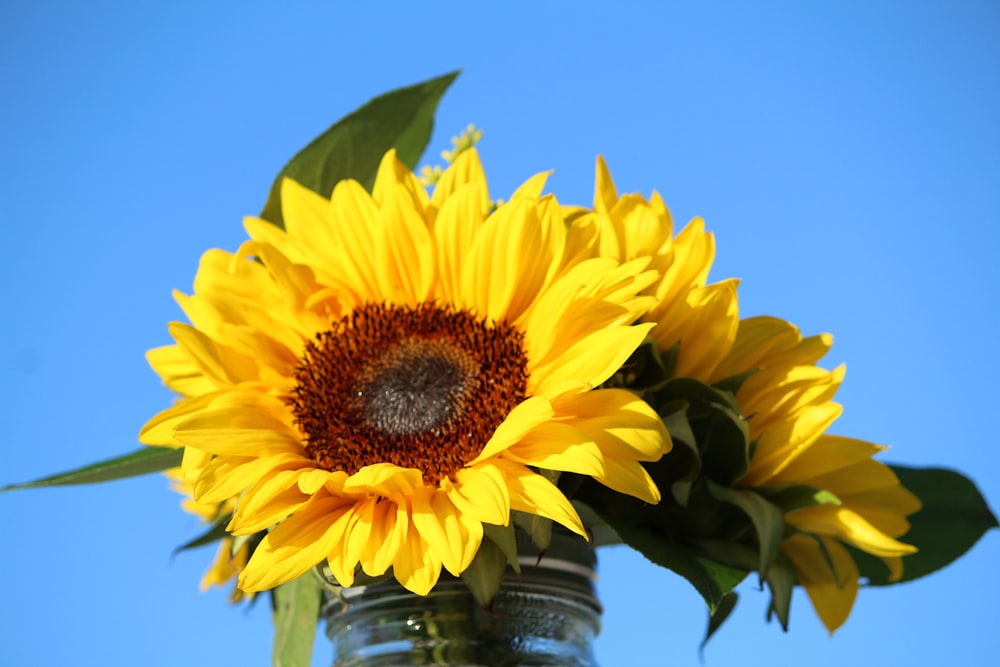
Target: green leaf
781,580
768,521
953,518
719,429
484,574
213,534
538,528
140,462
296,614
601,534
505,539
354,146
715,620
711,579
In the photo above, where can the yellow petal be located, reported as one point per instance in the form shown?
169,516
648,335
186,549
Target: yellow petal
849,526
295,546
593,360
524,417
464,174
621,424
237,431
829,454
532,493
480,492
275,502
160,429
781,444
416,566
451,535
605,194
178,372
831,591
561,447
384,479
390,523
532,188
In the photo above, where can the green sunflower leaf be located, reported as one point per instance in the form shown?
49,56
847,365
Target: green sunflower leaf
353,146
296,614
484,574
721,433
953,518
711,579
715,620
215,533
140,462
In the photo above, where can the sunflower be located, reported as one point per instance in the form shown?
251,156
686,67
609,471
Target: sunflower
789,402
786,397
391,371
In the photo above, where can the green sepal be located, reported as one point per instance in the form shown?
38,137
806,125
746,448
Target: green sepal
768,520
734,383
717,618
953,518
601,534
790,497
485,573
353,146
781,581
538,528
719,429
296,607
643,371
780,577
215,533
505,539
140,462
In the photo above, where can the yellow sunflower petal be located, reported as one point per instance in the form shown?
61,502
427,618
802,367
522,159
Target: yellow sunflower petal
416,566
849,526
480,492
295,546
451,535
593,359
831,591
178,372
389,531
521,420
532,493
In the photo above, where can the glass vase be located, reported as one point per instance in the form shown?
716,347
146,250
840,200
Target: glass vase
546,615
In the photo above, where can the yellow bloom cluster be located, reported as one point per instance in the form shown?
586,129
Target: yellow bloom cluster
787,399
394,370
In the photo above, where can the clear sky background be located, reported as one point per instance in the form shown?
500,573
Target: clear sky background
846,154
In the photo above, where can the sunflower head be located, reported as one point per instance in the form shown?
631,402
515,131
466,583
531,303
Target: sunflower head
395,369
760,486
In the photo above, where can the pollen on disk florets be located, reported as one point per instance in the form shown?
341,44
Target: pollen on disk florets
422,387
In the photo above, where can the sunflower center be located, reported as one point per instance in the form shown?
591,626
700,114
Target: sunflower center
422,388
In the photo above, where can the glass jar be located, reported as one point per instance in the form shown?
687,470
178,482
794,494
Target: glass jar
548,615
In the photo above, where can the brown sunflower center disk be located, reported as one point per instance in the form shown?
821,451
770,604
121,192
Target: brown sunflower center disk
422,388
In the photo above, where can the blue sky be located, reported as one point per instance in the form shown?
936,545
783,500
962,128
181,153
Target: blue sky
846,155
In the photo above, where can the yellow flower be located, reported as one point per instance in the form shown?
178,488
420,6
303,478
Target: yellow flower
787,400
391,371
700,317
789,405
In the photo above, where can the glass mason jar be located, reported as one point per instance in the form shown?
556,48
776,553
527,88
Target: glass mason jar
548,615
